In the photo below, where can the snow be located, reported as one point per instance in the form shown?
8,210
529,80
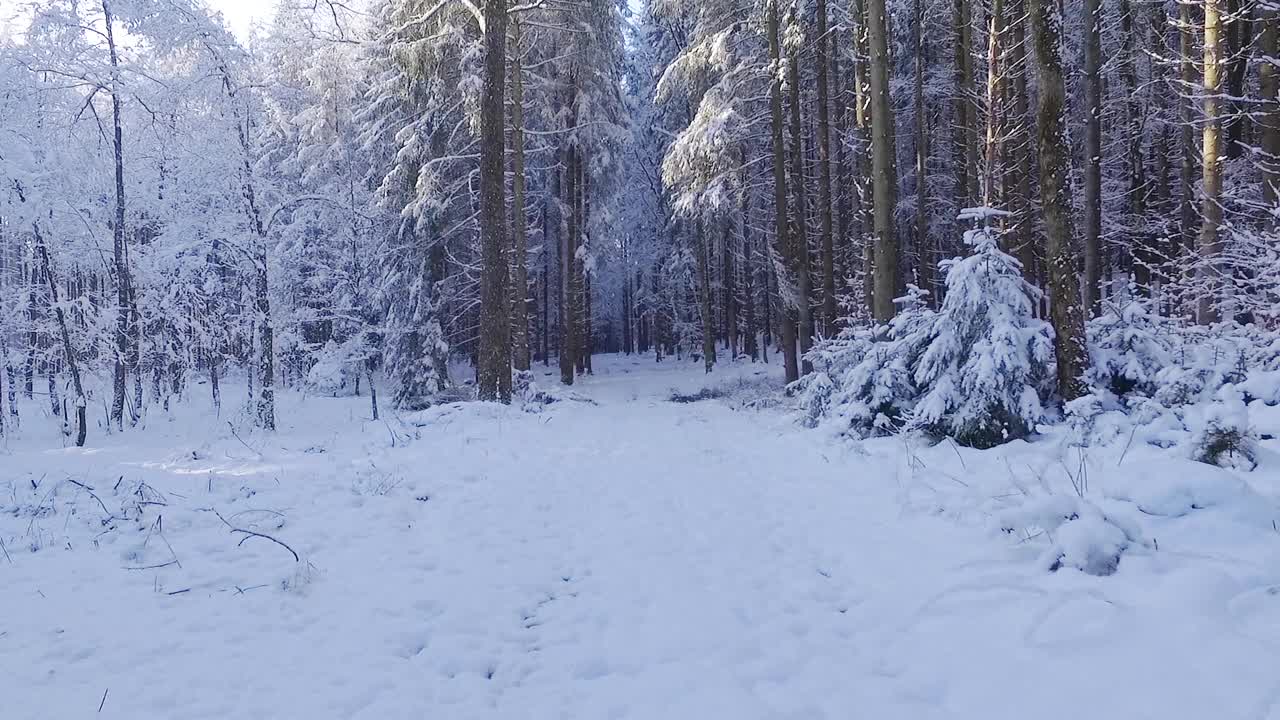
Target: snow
615,554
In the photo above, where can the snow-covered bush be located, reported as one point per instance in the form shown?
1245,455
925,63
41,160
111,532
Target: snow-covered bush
986,367
1221,434
1080,534
1128,346
977,369
862,380
330,374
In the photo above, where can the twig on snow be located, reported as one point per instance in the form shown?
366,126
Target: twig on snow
957,449
104,699
92,494
153,567
242,442
250,534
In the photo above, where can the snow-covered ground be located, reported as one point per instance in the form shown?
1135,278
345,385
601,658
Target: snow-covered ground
620,555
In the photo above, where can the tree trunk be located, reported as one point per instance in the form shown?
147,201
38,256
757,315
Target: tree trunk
519,244
124,336
825,209
923,245
1092,280
964,132
799,231
749,330
69,352
1055,190
883,157
730,291
1269,81
1188,196
1211,209
782,245
995,130
1022,237
567,245
493,374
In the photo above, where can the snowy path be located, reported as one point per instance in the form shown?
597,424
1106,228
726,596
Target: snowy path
632,558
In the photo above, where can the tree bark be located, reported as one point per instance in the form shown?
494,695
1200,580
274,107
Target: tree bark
1211,152
825,209
964,133
799,231
125,315
782,245
1269,82
1055,189
493,374
519,243
883,169
1188,76
924,247
1092,280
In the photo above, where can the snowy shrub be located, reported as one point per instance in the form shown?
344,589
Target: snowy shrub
975,370
705,393
986,365
1128,346
869,370
1221,434
531,396
1080,535
329,375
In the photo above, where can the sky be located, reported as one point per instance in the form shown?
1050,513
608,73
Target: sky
241,14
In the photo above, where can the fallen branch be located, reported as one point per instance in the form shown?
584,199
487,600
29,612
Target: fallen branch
251,534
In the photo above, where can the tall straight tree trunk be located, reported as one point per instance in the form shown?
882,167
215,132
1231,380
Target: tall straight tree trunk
749,330
1211,209
1092,280
825,209
995,131
126,353
1023,239
581,288
730,291
782,244
883,170
1189,225
494,367
701,251
1234,56
844,189
799,229
923,245
1066,313
519,244
1140,243
1269,83
545,329
862,156
567,246
965,114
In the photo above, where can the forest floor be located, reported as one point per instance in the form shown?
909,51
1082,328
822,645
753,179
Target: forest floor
615,554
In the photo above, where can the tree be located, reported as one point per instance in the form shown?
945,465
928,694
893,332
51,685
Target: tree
1055,189
494,365
883,163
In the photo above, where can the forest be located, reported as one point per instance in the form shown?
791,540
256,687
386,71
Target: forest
355,198
535,356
